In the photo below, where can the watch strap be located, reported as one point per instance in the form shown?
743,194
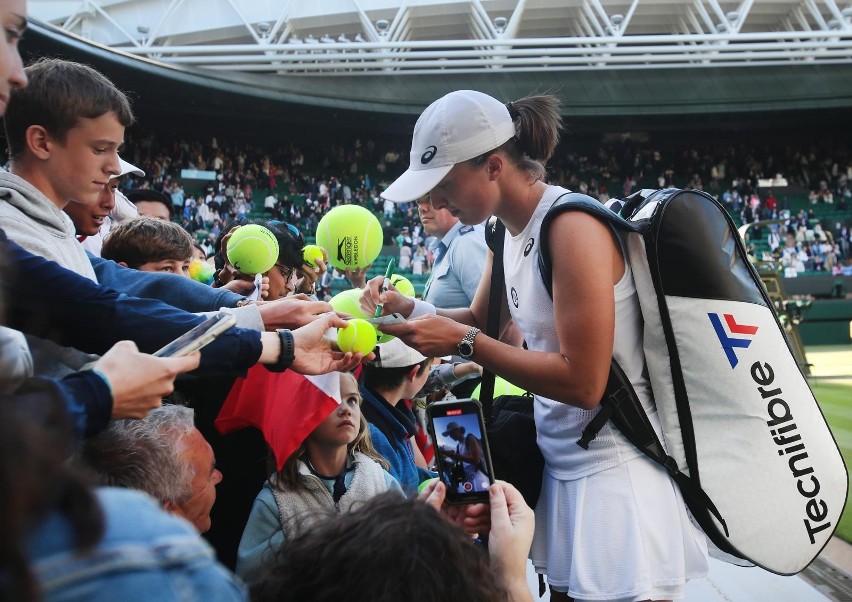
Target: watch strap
467,341
288,352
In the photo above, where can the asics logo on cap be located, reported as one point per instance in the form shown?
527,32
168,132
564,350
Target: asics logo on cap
428,155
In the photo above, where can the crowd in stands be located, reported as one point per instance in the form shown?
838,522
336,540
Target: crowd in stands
300,184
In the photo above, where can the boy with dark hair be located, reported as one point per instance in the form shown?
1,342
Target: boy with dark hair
63,133
150,245
152,203
397,373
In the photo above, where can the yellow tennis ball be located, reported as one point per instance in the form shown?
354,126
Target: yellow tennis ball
311,254
358,336
403,285
252,249
349,302
352,235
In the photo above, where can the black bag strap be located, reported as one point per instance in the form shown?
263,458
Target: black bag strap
571,201
494,237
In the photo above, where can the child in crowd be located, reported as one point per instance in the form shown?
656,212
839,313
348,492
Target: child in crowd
397,374
336,468
150,245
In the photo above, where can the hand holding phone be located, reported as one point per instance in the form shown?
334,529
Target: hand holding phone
461,450
198,337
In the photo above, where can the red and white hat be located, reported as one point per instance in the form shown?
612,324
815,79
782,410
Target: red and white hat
457,127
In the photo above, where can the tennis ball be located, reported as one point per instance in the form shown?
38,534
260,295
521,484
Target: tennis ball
403,285
201,271
349,302
352,235
310,254
501,387
358,336
252,249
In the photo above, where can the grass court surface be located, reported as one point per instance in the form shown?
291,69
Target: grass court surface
831,382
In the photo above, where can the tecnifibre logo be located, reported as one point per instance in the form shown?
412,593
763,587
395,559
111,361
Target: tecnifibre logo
729,341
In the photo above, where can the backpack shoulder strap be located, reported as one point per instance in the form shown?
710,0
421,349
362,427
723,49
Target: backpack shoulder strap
493,228
571,201
494,238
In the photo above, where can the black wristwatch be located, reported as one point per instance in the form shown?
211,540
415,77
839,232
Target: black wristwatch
288,352
466,345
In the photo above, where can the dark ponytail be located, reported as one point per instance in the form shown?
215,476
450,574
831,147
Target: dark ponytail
537,126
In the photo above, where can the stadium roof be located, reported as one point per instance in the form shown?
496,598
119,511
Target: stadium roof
606,59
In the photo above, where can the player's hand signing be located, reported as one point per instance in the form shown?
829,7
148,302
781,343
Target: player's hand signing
391,300
431,335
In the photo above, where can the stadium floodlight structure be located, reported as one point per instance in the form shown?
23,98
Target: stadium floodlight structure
461,36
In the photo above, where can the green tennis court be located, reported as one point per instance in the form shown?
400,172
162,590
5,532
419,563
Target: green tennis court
831,383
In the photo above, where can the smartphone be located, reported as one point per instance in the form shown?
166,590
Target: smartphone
462,457
198,337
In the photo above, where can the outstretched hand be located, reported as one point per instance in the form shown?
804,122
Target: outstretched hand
291,312
316,354
139,381
357,277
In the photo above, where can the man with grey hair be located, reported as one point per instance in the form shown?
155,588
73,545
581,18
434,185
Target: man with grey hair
163,455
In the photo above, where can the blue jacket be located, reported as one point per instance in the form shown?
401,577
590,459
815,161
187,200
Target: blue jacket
85,395
391,429
185,293
46,300
145,554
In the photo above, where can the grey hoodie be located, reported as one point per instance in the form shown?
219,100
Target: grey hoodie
34,222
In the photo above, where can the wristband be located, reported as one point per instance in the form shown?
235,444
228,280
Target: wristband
421,308
288,352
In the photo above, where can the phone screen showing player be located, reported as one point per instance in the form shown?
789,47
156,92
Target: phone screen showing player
462,458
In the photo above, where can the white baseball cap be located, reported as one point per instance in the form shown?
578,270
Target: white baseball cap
127,168
396,354
457,127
